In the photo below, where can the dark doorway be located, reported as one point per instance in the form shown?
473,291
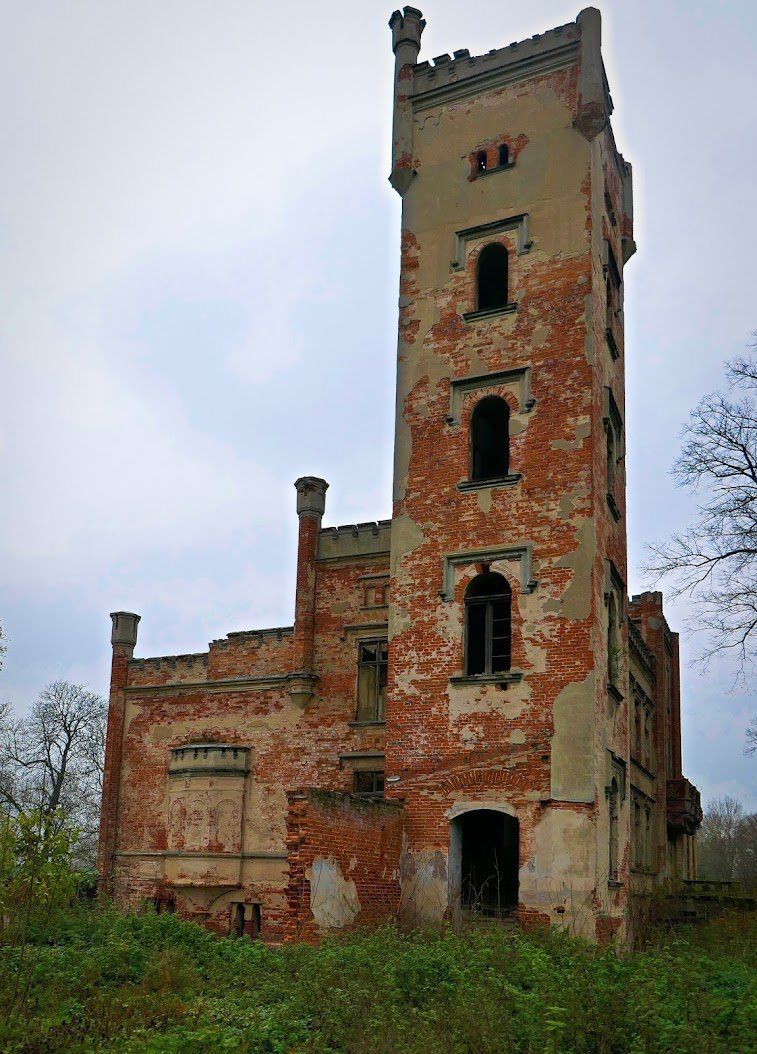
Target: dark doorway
489,871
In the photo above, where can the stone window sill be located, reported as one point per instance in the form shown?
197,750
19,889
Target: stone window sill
615,694
612,883
494,168
367,724
497,481
506,677
491,312
612,505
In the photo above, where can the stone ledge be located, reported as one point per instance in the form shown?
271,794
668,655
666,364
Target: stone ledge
506,677
494,168
492,312
482,484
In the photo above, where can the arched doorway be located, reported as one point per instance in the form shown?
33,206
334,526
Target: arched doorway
484,852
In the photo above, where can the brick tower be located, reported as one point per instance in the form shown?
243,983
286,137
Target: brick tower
466,715
507,725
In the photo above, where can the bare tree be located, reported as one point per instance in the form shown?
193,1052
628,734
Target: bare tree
727,843
751,737
715,560
53,761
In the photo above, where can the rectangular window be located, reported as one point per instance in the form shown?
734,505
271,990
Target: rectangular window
369,784
373,664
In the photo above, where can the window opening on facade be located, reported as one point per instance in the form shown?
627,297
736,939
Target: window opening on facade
613,848
481,161
488,603
245,920
504,154
492,277
236,928
373,665
490,439
369,784
613,640
611,459
488,863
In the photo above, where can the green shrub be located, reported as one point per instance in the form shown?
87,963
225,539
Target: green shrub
102,981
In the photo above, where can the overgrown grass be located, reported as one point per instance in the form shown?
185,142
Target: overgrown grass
100,981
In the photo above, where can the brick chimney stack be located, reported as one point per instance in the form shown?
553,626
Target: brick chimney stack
123,639
311,504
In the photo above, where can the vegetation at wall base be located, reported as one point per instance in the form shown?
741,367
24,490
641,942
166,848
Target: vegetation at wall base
98,980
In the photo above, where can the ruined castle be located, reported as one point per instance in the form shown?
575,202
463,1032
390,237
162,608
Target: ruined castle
468,715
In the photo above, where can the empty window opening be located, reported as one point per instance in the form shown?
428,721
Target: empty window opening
481,161
373,668
490,439
488,602
164,906
369,784
609,209
489,863
613,641
611,459
648,847
504,154
613,848
245,920
637,853
491,277
236,928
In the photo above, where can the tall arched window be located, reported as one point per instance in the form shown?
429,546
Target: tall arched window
488,633
491,277
490,439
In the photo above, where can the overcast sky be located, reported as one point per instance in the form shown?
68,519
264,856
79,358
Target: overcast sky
198,280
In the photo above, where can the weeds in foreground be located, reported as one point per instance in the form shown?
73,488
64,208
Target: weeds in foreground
103,981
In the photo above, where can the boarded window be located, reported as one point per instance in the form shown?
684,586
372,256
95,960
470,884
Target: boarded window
369,784
488,602
491,277
373,663
490,439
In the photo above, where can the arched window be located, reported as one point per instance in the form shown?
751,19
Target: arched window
490,439
491,277
504,154
481,161
488,633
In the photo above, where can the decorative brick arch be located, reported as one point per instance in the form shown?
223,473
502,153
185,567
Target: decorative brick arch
472,779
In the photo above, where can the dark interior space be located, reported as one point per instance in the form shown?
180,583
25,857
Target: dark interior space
489,863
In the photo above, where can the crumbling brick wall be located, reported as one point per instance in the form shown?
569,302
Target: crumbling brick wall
344,856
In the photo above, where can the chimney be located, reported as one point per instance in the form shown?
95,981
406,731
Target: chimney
311,503
123,639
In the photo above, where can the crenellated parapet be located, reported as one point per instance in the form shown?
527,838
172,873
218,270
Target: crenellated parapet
355,540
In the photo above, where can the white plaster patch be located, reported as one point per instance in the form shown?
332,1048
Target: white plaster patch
333,898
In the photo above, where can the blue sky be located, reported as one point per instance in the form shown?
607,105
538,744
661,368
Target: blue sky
198,278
